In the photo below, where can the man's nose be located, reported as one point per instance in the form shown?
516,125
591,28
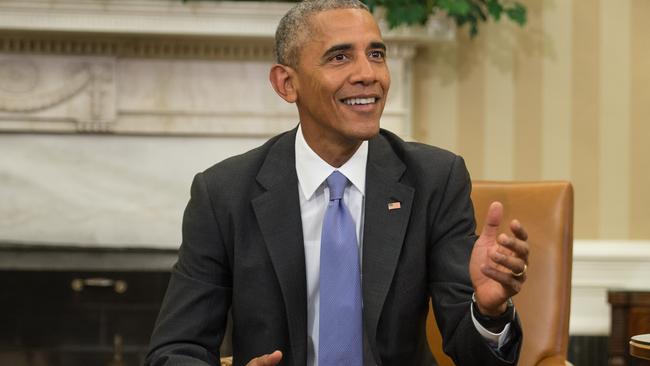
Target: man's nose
364,71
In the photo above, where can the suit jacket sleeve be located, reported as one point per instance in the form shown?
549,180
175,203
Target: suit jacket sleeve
453,237
192,320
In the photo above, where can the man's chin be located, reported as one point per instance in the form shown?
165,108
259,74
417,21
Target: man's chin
369,132
355,138
370,136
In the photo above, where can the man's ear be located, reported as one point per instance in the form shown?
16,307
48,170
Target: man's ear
282,79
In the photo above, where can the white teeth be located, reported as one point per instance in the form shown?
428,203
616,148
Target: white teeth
353,101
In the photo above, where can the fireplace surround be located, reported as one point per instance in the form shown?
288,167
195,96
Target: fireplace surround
109,107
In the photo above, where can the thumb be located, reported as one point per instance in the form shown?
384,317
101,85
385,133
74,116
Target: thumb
272,359
493,220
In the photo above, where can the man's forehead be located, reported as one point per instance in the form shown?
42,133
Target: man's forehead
343,20
344,26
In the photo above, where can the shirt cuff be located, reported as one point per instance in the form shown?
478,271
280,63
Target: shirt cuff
495,340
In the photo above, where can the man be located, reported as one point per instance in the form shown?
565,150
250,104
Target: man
260,229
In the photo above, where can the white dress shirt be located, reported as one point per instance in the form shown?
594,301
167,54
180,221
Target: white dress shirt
314,197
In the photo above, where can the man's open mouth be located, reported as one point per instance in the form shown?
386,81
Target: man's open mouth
359,101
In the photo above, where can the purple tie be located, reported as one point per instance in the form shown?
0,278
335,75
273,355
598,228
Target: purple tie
340,324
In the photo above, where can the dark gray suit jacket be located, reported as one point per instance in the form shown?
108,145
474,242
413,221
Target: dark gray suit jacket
243,250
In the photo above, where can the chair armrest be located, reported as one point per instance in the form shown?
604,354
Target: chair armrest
554,361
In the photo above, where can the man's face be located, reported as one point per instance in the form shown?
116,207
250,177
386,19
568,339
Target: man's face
342,78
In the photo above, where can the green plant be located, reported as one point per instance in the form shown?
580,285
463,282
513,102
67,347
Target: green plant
463,12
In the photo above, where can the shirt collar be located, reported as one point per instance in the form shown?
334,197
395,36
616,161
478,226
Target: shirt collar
312,170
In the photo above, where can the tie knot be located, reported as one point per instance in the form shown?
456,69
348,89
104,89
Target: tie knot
336,183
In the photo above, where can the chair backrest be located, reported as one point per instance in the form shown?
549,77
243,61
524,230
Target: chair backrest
545,209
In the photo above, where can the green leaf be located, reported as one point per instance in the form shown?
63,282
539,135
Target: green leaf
495,9
478,11
371,4
473,31
416,13
517,13
456,7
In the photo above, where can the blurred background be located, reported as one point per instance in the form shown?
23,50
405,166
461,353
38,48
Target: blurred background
108,109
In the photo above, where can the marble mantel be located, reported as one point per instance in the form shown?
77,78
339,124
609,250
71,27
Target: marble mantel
155,67
109,107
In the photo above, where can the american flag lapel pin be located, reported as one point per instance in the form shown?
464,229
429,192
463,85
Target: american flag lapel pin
394,206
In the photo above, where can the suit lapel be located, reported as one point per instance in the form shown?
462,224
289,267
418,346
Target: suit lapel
278,214
384,228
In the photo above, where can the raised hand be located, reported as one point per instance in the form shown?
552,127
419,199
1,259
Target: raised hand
498,263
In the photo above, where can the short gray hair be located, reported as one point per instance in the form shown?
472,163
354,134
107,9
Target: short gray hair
294,26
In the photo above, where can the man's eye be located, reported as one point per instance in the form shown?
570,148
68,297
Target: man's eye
339,57
377,54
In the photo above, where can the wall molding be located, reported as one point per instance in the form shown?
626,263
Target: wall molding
34,101
599,265
135,46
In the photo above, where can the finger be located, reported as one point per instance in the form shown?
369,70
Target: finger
493,219
513,246
518,230
508,262
267,360
272,359
506,279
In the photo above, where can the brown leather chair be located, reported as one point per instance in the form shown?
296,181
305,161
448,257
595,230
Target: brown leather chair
546,211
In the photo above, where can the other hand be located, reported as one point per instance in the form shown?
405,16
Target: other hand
498,263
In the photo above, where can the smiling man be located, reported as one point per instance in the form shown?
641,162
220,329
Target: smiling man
328,241
339,81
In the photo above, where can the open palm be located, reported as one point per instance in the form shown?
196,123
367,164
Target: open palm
498,263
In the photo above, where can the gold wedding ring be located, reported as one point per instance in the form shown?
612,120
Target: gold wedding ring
520,273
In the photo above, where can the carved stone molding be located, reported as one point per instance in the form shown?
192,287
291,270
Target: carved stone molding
138,46
17,77
24,71
36,89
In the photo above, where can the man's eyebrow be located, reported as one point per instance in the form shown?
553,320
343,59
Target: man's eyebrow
337,48
348,46
379,45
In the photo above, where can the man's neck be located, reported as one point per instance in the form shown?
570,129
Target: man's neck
334,153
